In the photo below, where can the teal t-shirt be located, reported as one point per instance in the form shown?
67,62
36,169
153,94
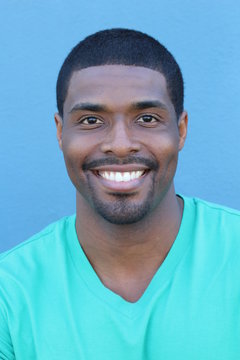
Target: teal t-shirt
53,305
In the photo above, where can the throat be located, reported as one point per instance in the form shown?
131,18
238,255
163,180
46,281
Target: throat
128,284
130,290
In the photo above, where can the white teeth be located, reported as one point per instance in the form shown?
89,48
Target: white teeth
126,176
111,176
121,176
118,176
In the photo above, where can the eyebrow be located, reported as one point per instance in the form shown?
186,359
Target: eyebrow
88,107
140,105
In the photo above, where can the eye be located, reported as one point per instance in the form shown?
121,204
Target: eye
91,120
147,119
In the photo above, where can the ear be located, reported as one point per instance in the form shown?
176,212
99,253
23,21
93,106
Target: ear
59,126
182,129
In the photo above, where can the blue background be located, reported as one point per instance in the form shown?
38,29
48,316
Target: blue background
35,37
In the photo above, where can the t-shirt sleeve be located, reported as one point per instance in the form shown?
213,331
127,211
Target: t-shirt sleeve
6,347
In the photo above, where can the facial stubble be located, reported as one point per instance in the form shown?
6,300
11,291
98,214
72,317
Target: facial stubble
122,209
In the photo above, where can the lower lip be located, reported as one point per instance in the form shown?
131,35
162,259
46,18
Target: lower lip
122,186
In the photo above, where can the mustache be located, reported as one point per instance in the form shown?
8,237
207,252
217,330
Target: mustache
150,163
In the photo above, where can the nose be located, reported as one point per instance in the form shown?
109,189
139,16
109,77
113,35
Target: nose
120,140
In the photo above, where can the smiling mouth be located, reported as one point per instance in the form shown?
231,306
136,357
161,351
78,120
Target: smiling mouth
121,176
118,176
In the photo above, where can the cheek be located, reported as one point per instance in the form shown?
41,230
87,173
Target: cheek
74,153
167,156
166,148
74,148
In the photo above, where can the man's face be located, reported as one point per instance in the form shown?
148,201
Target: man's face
120,138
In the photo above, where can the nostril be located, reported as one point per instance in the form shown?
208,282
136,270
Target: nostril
120,148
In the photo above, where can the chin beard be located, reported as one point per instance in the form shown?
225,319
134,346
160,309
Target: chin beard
123,211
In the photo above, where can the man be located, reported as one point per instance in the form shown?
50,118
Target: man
139,272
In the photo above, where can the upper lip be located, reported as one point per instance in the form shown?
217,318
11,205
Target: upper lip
121,168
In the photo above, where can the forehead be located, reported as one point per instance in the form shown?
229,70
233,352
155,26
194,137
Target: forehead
116,86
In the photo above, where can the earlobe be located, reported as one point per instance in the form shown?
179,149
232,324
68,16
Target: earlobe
182,129
59,124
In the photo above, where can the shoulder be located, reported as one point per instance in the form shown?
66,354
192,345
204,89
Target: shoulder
206,208
214,212
214,226
215,207
35,251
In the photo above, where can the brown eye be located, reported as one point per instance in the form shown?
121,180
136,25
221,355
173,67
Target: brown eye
147,119
91,120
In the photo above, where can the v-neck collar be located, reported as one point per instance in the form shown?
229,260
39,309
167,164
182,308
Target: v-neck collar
162,276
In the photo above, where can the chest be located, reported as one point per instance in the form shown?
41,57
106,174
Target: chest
174,323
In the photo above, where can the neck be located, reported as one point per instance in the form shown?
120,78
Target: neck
122,252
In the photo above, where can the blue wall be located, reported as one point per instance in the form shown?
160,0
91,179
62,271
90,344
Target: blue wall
35,37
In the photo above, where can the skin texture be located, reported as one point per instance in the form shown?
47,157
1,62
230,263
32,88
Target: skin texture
121,118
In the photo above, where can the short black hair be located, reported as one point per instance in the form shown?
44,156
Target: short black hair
122,47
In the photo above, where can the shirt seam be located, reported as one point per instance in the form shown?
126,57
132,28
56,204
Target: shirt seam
218,207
